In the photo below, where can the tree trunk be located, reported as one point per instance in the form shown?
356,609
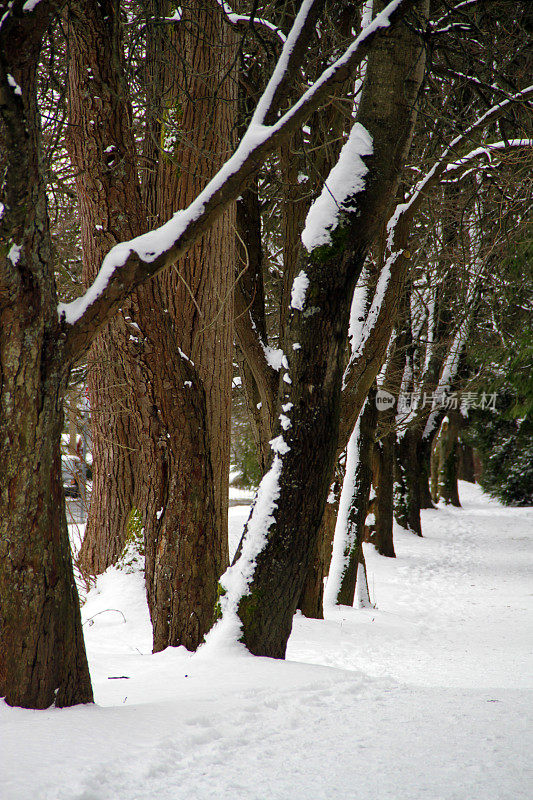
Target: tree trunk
311,602
358,510
465,468
445,462
103,155
250,323
384,497
424,470
300,476
180,530
198,291
407,482
42,654
175,494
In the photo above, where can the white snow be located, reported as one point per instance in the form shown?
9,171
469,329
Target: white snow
148,247
298,290
361,332
236,18
14,85
344,181
426,697
358,310
185,356
279,445
14,254
284,421
273,355
224,637
440,164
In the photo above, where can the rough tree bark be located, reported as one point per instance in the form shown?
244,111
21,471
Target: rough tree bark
102,153
258,379
198,290
407,502
187,552
173,481
445,461
42,654
311,602
312,379
384,502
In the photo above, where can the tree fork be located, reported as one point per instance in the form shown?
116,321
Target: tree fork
312,381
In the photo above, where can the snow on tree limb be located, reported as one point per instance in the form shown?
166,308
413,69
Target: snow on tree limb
453,357
346,179
408,209
487,150
129,264
235,582
239,19
373,340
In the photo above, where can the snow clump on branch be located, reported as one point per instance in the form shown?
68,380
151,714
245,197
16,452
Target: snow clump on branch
346,179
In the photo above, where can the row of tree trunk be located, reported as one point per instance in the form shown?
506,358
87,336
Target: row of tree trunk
171,351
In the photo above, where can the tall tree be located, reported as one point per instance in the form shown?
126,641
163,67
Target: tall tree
42,654
281,534
172,378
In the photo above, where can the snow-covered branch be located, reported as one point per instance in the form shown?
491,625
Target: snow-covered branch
408,209
378,325
450,11
131,263
240,20
486,150
345,528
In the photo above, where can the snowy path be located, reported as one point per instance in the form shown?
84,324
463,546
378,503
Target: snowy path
426,697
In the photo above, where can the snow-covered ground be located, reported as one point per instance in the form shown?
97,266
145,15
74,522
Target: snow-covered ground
426,697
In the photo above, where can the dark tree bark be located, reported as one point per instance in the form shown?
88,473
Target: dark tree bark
384,502
258,379
42,654
314,370
407,482
424,471
180,534
445,461
311,602
465,467
359,506
173,481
